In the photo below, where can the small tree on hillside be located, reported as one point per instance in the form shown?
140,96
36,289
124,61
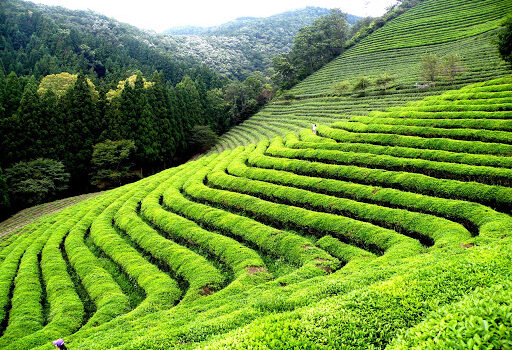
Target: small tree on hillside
504,40
362,84
112,163
201,138
451,67
384,80
430,67
340,87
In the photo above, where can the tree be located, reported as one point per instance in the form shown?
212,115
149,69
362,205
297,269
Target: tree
4,194
202,138
112,163
313,47
430,67
362,84
340,88
504,40
382,81
81,129
37,181
451,66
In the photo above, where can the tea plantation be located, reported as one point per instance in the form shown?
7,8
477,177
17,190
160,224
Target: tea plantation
465,28
390,230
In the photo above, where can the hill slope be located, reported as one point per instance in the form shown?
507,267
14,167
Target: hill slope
353,236
245,45
395,49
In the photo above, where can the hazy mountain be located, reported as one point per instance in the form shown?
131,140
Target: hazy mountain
245,44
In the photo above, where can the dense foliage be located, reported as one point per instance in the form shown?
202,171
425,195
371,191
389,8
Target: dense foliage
247,44
505,40
72,79
112,163
33,182
313,47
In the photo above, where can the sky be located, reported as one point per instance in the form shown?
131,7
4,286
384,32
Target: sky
159,15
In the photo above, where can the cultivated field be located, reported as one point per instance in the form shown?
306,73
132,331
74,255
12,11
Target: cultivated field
384,230
464,27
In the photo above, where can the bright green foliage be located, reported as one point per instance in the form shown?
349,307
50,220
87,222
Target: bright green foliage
382,230
60,83
481,320
32,182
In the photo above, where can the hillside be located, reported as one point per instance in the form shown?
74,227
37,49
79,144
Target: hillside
396,50
396,225
245,45
40,40
389,228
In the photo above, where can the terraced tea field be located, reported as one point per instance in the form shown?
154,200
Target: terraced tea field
464,27
387,230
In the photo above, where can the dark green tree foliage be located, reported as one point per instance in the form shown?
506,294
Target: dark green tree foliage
202,137
504,40
313,47
4,194
112,163
81,129
248,97
31,183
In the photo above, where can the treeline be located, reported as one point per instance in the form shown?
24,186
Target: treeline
99,138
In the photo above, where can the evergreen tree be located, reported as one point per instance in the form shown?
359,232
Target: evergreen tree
80,130
4,196
12,94
29,124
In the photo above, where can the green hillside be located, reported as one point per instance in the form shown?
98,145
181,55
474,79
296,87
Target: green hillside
381,231
390,228
443,27
244,45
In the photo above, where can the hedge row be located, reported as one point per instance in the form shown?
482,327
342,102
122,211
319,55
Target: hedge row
482,124
161,290
235,255
359,233
405,152
109,299
482,174
292,247
489,222
445,115
66,310
427,228
27,315
200,274
10,266
417,142
466,134
344,252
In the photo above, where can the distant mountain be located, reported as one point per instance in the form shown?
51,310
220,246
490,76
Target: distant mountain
246,44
